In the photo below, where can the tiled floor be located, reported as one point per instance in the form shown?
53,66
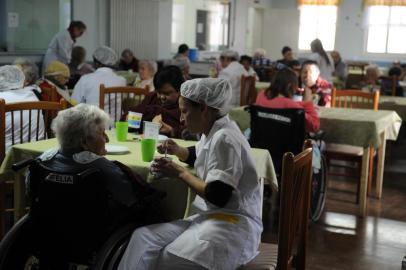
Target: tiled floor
341,240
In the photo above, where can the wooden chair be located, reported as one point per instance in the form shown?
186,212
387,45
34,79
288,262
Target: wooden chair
16,111
389,85
117,96
248,93
352,99
290,252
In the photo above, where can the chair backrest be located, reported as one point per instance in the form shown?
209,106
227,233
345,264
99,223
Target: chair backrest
354,99
294,210
69,208
49,92
22,125
389,84
248,93
353,81
278,130
115,95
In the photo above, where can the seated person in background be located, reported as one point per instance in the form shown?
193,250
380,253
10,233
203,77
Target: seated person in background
183,53
260,59
31,72
279,96
315,85
147,70
295,66
224,231
232,71
161,106
246,61
12,90
78,66
80,132
128,61
287,54
87,90
371,81
56,77
340,68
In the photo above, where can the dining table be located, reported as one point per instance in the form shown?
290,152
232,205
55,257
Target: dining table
358,127
178,198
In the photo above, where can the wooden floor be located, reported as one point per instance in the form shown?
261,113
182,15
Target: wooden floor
341,240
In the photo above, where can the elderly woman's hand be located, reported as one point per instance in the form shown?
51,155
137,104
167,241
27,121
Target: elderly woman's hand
166,167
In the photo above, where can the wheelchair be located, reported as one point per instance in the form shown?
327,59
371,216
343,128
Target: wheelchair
72,223
281,131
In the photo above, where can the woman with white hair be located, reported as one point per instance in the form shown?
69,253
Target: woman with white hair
147,70
87,90
232,71
225,228
12,90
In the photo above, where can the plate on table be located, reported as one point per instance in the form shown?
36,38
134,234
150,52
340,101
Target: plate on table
113,149
162,138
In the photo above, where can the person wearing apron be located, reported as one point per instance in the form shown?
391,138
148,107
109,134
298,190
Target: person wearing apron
225,228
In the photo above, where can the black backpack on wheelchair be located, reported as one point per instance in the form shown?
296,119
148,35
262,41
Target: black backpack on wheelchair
281,131
72,221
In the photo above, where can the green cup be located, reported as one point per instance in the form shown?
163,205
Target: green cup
147,149
121,131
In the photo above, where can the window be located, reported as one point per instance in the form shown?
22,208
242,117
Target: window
386,29
203,24
28,26
317,21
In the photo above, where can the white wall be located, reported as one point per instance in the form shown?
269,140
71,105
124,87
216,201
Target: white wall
281,27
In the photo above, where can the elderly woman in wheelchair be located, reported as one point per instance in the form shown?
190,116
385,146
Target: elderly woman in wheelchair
83,206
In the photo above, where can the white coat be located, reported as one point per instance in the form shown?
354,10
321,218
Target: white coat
59,49
233,73
326,70
20,95
214,238
87,90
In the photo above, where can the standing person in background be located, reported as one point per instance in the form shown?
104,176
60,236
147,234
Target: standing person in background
128,61
323,59
87,90
60,47
287,54
246,61
232,71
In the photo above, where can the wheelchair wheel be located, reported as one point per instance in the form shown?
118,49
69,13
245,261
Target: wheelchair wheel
16,248
319,188
110,254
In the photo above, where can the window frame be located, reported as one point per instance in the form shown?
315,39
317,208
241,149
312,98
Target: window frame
335,29
388,25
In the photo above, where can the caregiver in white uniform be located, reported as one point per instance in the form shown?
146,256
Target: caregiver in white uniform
61,45
224,231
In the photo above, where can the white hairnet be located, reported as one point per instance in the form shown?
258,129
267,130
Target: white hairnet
105,55
11,77
215,93
230,54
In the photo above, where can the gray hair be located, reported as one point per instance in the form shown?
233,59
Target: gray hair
74,125
29,68
152,65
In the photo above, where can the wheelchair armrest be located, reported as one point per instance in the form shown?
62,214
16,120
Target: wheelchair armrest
22,164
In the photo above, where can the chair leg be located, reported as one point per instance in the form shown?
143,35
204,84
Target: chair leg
358,182
371,170
2,209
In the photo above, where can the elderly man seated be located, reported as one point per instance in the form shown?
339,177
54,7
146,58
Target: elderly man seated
87,90
12,90
80,132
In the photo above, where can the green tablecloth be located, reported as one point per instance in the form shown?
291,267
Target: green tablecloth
261,86
357,127
397,104
128,76
178,196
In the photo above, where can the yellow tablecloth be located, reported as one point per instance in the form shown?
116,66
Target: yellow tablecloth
178,196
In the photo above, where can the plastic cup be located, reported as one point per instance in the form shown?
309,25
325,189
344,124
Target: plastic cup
148,149
121,131
134,119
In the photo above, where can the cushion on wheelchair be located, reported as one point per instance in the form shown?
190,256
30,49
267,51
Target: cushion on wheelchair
278,130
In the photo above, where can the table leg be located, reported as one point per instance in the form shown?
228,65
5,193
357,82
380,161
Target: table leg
364,182
381,164
19,196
